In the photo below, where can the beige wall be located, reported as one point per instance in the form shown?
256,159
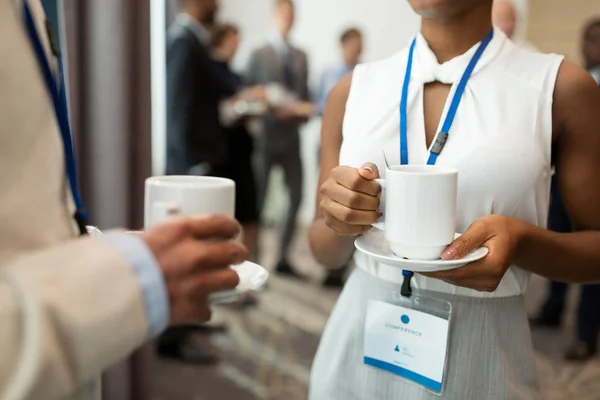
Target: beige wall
556,25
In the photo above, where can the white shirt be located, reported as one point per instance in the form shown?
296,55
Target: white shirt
279,44
500,140
596,74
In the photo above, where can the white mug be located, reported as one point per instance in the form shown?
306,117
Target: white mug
419,210
168,196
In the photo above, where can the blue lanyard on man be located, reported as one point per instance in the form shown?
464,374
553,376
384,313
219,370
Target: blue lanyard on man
442,137
57,90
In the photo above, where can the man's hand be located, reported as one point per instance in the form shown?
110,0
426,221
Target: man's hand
299,112
194,255
285,112
254,93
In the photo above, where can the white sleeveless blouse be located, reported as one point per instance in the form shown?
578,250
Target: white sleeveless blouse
500,141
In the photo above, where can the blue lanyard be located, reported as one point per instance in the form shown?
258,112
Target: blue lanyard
58,94
442,136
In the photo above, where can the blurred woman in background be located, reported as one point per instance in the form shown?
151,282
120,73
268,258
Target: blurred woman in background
224,45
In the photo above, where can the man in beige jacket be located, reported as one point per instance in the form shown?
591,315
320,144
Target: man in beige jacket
70,308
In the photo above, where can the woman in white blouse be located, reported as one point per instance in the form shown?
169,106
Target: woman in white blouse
519,109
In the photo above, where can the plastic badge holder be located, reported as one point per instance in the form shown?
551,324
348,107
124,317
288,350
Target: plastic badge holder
426,304
430,305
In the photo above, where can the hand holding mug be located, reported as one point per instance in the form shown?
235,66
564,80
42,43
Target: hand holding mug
191,231
350,199
194,255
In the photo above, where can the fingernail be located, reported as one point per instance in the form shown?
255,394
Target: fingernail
368,168
449,254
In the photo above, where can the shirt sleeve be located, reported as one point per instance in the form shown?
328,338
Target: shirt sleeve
328,81
148,274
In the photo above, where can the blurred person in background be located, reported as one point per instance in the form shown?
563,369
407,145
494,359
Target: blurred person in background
518,110
197,144
591,48
504,16
278,144
351,42
224,45
588,315
72,307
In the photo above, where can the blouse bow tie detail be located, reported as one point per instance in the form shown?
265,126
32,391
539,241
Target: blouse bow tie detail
427,69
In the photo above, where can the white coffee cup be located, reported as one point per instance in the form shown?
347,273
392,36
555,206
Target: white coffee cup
168,196
419,210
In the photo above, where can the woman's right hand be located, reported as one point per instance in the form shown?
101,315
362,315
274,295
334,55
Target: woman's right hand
350,199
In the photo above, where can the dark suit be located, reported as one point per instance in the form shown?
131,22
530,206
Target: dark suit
279,142
196,143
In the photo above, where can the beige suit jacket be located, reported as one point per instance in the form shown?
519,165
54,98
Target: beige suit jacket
69,308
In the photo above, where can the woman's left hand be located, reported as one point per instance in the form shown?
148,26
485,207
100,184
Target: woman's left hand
500,235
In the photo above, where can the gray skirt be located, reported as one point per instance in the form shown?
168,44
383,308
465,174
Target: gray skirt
490,351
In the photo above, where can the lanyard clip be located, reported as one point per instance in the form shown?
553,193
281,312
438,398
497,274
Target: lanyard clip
406,289
439,143
52,39
81,220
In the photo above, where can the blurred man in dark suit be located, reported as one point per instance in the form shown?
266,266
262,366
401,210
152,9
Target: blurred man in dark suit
195,90
280,63
196,141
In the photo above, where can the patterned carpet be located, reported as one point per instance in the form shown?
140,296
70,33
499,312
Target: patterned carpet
267,351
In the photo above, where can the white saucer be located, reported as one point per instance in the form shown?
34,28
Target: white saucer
252,278
374,244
